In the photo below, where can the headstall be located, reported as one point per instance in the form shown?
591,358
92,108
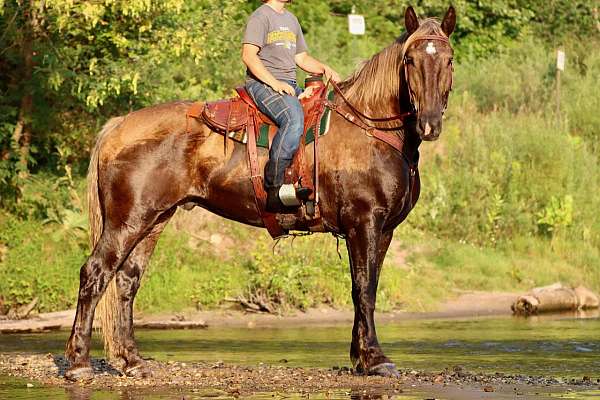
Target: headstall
405,63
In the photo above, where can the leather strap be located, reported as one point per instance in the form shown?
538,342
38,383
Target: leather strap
316,130
260,196
441,38
359,114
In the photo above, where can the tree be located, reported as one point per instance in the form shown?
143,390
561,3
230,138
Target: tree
65,63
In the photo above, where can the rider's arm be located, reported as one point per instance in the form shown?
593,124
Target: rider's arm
314,66
255,65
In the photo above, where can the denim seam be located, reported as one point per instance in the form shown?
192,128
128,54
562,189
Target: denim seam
281,141
277,101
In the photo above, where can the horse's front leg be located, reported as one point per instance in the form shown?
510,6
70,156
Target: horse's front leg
367,246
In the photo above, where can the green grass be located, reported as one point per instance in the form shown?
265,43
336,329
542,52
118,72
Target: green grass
420,271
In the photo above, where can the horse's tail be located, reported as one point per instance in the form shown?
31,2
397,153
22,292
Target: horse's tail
107,310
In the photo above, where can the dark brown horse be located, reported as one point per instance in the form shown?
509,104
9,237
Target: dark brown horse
148,163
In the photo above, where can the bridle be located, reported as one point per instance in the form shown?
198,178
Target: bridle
405,63
359,119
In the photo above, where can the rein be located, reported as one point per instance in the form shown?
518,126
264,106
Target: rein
361,116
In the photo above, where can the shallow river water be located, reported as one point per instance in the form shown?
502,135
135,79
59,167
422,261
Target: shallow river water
558,347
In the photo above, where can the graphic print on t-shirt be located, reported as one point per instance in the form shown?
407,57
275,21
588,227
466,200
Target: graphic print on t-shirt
282,37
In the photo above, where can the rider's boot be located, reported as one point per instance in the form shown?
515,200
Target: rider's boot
290,204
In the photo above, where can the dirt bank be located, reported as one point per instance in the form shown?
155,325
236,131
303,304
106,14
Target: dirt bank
230,380
467,304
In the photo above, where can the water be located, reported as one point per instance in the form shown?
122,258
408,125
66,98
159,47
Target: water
562,347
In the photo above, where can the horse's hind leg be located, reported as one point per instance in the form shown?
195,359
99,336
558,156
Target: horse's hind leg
110,252
128,282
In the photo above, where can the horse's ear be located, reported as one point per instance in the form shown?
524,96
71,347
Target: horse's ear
410,20
449,21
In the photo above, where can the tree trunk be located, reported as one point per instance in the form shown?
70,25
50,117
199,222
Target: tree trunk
22,133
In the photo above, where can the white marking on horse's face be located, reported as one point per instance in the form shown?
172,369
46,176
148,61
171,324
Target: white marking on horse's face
431,48
427,129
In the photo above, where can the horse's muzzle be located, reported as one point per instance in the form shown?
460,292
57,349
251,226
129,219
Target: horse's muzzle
429,127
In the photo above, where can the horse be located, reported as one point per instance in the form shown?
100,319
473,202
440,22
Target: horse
148,163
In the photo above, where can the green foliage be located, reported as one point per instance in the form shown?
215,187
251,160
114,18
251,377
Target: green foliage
506,199
92,60
508,165
41,263
298,275
557,215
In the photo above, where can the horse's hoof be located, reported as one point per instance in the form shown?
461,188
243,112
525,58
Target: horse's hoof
75,374
387,370
140,370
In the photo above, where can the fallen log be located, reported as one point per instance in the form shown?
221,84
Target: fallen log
555,298
23,311
29,327
64,320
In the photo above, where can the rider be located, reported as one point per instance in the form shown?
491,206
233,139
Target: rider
272,47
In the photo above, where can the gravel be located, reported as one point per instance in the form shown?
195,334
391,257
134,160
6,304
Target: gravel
237,380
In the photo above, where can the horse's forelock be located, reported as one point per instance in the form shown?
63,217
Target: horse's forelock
429,26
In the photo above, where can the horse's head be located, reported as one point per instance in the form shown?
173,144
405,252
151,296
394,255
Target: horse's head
427,68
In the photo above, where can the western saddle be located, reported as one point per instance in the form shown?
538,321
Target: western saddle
240,115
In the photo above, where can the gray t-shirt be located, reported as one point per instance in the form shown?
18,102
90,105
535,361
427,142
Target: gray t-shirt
279,37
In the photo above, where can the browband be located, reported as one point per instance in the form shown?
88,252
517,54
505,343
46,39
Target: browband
433,37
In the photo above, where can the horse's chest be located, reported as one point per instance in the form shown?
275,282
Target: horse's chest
407,199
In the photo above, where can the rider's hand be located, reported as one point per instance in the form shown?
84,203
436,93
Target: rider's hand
283,88
307,92
330,74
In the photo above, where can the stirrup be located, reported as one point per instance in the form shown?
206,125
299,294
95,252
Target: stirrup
291,196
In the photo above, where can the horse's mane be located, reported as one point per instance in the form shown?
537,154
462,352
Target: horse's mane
377,82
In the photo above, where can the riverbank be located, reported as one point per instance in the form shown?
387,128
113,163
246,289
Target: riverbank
220,380
469,304
466,305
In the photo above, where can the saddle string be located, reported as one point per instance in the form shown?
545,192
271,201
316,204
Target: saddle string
227,131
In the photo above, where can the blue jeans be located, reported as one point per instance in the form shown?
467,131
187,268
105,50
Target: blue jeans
287,113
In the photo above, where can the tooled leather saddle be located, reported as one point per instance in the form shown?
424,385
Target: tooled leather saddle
239,118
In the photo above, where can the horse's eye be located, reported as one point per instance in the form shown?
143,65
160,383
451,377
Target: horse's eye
408,60
450,61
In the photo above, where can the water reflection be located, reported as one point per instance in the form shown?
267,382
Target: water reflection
84,393
76,392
